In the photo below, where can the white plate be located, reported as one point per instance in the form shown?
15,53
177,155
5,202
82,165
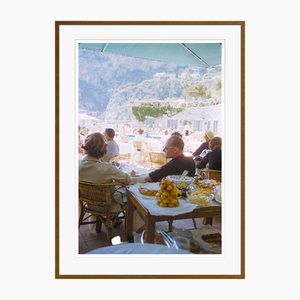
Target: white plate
150,185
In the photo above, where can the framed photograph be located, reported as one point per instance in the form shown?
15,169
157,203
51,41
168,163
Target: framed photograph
108,74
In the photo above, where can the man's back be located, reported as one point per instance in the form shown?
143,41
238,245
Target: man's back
175,167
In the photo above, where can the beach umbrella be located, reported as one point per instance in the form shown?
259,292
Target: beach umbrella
189,54
85,117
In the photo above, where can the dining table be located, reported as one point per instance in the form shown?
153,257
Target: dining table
136,172
151,213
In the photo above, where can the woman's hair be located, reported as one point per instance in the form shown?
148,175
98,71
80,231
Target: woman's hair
215,143
95,145
209,135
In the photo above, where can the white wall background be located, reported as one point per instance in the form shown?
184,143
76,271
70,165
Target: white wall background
27,148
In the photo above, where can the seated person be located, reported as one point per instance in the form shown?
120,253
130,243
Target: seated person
204,146
178,163
112,146
139,136
92,169
212,160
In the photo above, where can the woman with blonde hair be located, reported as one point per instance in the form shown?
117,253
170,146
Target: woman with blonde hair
204,146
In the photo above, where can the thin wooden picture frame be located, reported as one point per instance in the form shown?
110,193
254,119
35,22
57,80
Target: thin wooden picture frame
68,265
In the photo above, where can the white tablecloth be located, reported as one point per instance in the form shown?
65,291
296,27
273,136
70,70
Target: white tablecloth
136,248
141,172
127,168
149,202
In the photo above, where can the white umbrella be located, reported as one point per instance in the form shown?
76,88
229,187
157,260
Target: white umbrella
85,117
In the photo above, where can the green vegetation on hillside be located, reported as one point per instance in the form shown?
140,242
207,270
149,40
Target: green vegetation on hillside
218,85
199,90
154,110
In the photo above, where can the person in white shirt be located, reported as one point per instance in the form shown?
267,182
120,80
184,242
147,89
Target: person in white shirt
187,129
112,146
139,136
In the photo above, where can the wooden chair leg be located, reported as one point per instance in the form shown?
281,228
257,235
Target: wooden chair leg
81,218
170,225
108,235
108,227
194,222
98,224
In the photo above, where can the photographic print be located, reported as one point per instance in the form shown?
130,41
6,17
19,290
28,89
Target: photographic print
149,149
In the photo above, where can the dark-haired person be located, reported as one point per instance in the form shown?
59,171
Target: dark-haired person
92,169
176,133
112,146
178,163
212,159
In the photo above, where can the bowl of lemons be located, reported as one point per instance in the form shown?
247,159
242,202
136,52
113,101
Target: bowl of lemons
182,183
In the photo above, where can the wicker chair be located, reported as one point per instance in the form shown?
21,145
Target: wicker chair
157,159
95,200
211,174
140,154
